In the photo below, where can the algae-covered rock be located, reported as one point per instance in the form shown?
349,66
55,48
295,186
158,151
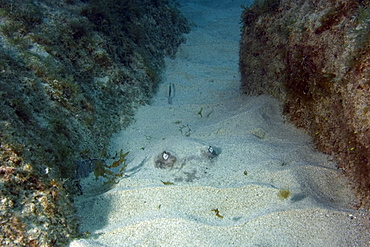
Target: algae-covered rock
315,57
71,73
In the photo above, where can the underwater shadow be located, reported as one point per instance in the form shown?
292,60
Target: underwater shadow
96,179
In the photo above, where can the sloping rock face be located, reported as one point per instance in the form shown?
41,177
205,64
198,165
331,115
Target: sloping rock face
314,55
72,72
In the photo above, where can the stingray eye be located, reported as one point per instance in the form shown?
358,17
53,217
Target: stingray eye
165,155
210,150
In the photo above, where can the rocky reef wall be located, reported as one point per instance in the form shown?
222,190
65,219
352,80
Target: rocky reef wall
314,55
72,72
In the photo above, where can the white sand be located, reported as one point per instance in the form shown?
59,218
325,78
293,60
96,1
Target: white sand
259,154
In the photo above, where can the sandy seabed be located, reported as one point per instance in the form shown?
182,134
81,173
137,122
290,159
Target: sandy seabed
265,185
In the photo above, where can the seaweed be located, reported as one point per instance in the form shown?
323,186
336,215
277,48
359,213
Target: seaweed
167,183
103,170
217,213
284,194
200,112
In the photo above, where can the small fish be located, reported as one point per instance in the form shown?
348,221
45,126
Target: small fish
171,93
